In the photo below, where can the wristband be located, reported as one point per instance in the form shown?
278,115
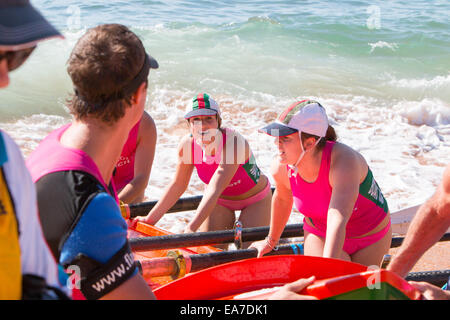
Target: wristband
269,240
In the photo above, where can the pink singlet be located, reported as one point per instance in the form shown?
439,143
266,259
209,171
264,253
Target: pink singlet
313,200
245,178
60,158
124,171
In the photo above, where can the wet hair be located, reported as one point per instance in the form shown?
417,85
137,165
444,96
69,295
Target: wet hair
103,62
329,136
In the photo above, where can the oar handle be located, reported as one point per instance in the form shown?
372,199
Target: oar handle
183,204
397,241
207,238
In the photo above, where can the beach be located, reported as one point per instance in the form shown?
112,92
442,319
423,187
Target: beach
436,258
381,70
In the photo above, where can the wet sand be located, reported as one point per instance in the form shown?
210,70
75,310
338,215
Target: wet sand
436,258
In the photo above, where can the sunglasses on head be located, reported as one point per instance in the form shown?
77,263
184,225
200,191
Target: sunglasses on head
16,58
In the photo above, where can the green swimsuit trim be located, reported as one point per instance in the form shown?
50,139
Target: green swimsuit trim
369,189
252,169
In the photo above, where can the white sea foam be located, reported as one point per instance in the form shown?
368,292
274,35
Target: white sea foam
430,112
406,144
406,154
29,131
438,82
400,125
382,44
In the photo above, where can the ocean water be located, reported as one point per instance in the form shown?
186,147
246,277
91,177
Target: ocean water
380,68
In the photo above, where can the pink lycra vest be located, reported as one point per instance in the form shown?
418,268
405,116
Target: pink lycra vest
313,199
124,172
51,156
245,178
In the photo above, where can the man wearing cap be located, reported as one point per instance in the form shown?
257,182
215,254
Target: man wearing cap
346,215
25,258
73,166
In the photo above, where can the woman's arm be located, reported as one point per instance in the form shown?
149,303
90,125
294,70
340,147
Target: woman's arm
345,176
235,152
281,209
219,181
282,201
176,188
143,161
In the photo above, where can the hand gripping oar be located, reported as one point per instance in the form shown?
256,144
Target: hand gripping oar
207,238
177,265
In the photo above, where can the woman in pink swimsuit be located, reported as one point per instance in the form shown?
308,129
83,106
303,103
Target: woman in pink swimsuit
225,163
346,215
133,169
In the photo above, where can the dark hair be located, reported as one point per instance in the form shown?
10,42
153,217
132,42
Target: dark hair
104,60
329,136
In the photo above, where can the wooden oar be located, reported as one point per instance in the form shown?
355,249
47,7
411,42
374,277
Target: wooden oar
143,208
397,241
207,238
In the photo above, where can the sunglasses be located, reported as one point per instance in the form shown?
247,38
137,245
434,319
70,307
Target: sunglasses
16,58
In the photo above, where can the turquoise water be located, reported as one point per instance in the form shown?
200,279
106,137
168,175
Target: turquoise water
380,68
387,50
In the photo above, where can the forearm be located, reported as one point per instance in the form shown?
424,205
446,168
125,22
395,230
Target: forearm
134,189
425,230
280,213
218,183
169,198
204,209
335,235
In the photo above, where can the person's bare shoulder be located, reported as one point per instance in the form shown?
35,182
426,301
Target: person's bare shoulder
147,126
347,160
185,149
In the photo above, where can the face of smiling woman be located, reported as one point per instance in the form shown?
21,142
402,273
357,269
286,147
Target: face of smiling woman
289,148
204,129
